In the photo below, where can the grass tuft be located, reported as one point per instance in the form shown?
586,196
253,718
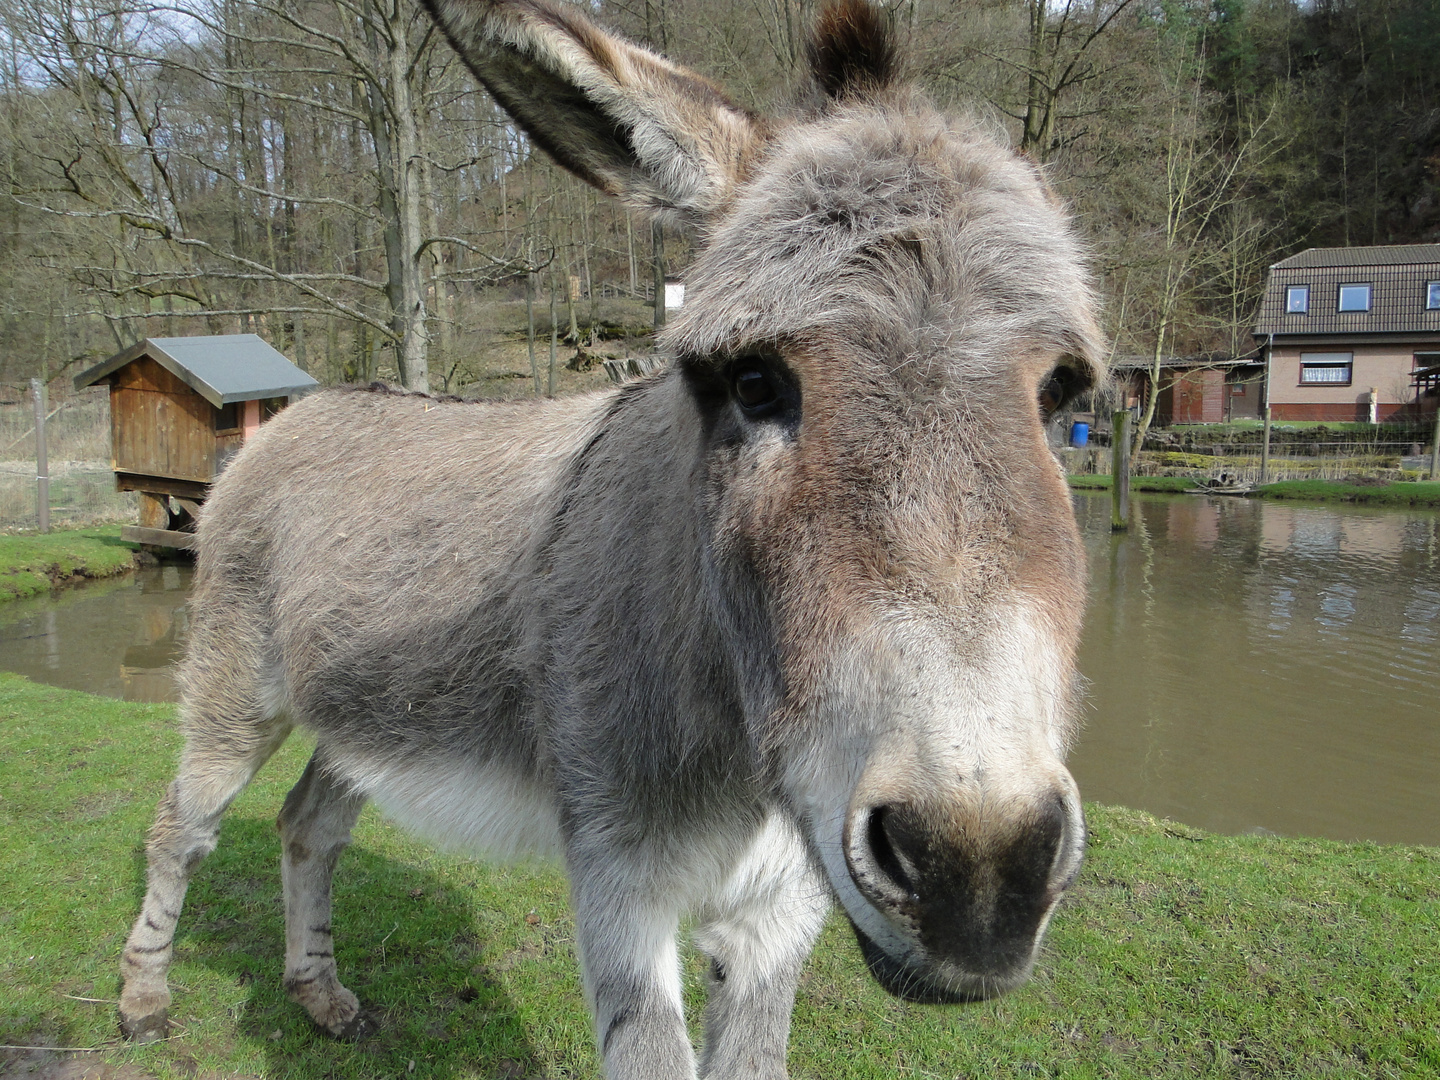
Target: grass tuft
1179,954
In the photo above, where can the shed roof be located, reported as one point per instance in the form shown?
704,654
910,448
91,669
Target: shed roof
1201,360
220,368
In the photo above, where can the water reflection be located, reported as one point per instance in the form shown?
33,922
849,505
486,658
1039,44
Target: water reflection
1257,665
118,638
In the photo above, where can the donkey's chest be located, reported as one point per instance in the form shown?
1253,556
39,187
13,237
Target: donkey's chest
492,807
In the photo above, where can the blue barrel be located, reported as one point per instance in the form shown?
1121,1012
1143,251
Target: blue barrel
1079,434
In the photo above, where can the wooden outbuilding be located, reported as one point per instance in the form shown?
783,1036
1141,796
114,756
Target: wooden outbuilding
179,409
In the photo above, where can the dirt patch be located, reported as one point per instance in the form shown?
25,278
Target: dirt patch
47,1063
97,806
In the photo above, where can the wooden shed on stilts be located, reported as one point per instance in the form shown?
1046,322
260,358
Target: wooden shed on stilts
179,409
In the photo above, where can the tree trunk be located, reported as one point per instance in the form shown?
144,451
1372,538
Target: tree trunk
657,240
401,200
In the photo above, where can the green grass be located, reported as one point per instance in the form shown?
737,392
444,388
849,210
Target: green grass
34,564
1137,483
1411,493
1180,953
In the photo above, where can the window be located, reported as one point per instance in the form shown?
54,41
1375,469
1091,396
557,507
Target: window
1354,298
1297,299
227,417
1432,295
1325,369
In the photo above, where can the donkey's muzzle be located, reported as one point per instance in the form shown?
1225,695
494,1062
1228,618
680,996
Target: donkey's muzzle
970,894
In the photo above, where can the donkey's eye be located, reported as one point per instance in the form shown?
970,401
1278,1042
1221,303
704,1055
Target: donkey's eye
754,389
1060,387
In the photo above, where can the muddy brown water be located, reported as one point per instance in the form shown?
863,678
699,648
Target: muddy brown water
1254,666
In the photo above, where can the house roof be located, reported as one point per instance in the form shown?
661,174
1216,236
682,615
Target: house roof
1398,275
1382,255
220,368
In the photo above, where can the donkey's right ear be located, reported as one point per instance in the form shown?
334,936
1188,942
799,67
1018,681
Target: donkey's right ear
663,139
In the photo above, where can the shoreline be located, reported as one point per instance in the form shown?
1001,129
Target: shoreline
1415,493
32,564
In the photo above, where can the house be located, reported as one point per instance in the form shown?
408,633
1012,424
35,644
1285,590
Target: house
179,408
1207,389
1348,333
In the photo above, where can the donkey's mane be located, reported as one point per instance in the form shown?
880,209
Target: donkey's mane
851,52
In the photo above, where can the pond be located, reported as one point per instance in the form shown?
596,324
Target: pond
1253,666
1263,666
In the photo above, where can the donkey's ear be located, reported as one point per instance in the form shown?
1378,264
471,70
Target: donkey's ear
627,120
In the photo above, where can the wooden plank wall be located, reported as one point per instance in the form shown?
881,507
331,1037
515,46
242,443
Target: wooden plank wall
160,427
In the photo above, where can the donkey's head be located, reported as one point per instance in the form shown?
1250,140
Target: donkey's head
885,306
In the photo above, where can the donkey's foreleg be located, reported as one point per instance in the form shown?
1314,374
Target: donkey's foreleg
315,825
757,931
627,942
217,763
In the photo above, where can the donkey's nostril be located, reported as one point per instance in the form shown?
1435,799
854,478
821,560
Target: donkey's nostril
888,858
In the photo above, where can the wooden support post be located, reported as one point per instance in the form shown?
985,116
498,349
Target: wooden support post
154,510
1435,449
42,458
1120,471
1265,450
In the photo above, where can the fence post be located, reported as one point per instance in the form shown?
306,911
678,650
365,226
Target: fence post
1120,470
1435,449
42,458
1265,450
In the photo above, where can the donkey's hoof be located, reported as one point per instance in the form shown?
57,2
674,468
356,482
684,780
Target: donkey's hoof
335,1010
150,1027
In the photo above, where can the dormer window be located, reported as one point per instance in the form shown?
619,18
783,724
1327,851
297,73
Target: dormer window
1297,299
1432,295
1355,297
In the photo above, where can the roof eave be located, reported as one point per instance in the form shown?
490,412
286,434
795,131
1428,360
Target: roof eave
268,392
91,376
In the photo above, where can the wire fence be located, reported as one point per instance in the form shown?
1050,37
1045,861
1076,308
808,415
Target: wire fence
77,435
1355,453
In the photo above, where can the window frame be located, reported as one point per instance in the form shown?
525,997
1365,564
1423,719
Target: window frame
1291,290
1340,307
1318,361
1432,295
236,416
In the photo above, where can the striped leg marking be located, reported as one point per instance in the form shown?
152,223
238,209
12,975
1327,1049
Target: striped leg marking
315,826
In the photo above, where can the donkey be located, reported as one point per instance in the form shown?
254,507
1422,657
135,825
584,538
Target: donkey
793,619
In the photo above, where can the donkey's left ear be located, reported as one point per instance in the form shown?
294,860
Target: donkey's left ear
665,140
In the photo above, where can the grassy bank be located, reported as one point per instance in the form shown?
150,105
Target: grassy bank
34,564
1137,483
1409,493
1413,493
1180,954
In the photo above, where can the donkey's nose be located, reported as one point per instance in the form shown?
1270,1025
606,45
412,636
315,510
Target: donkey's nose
971,892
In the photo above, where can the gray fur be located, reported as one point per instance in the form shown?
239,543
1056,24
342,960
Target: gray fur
723,662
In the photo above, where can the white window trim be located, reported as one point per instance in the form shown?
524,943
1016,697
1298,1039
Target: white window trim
1303,309
1432,295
